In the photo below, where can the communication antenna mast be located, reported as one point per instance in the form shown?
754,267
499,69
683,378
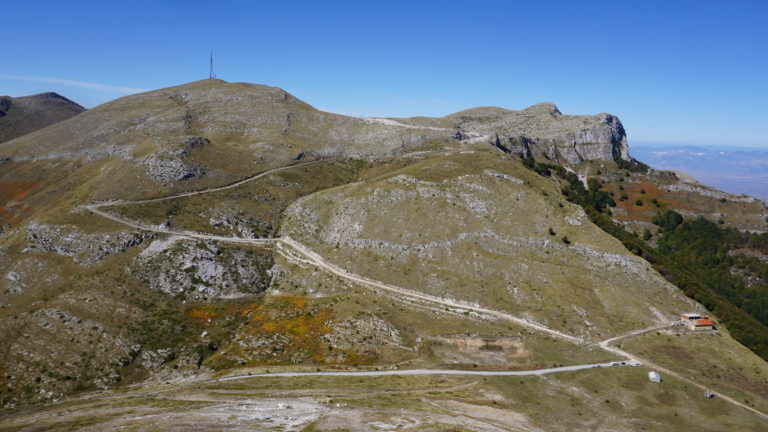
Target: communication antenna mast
210,73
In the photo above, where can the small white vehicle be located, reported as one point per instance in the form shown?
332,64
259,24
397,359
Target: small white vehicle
615,364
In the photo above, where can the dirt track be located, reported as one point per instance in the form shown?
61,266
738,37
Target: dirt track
295,251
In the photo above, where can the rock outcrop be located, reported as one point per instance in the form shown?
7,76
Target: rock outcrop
84,247
169,166
542,130
202,270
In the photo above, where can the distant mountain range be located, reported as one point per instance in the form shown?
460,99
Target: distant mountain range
731,169
22,115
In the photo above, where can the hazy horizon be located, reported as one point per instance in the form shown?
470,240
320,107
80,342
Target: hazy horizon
729,168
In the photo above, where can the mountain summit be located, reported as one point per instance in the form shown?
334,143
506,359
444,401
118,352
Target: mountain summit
210,131
228,256
22,115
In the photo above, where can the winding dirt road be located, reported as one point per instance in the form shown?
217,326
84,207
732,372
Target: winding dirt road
544,371
296,251
317,260
612,349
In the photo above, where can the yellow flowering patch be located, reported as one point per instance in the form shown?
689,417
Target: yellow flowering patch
288,329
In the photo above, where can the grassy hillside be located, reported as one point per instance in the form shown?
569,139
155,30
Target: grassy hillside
435,251
483,229
722,268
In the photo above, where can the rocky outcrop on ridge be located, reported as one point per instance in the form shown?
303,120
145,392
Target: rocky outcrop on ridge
542,130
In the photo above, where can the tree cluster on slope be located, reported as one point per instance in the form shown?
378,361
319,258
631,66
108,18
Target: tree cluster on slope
691,254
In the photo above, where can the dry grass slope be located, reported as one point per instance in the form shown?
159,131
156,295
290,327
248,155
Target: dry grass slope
478,227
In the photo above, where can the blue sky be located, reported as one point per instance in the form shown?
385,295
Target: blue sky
675,72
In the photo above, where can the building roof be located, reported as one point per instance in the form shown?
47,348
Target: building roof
704,322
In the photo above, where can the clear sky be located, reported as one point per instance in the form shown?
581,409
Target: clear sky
673,71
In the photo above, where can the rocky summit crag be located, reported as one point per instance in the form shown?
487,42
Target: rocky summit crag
542,130
187,251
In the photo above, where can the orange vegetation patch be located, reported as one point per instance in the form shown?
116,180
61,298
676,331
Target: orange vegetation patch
288,329
247,309
12,211
646,192
296,302
287,316
16,191
202,313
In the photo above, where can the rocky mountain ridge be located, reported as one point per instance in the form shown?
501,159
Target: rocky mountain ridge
542,130
249,112
207,132
239,229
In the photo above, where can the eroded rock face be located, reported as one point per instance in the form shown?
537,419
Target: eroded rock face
600,142
365,336
171,166
238,220
84,247
196,141
542,130
202,270
172,162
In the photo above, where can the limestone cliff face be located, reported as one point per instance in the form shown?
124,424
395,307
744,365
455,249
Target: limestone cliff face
542,130
603,141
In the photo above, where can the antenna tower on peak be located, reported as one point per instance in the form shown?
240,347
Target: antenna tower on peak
211,75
